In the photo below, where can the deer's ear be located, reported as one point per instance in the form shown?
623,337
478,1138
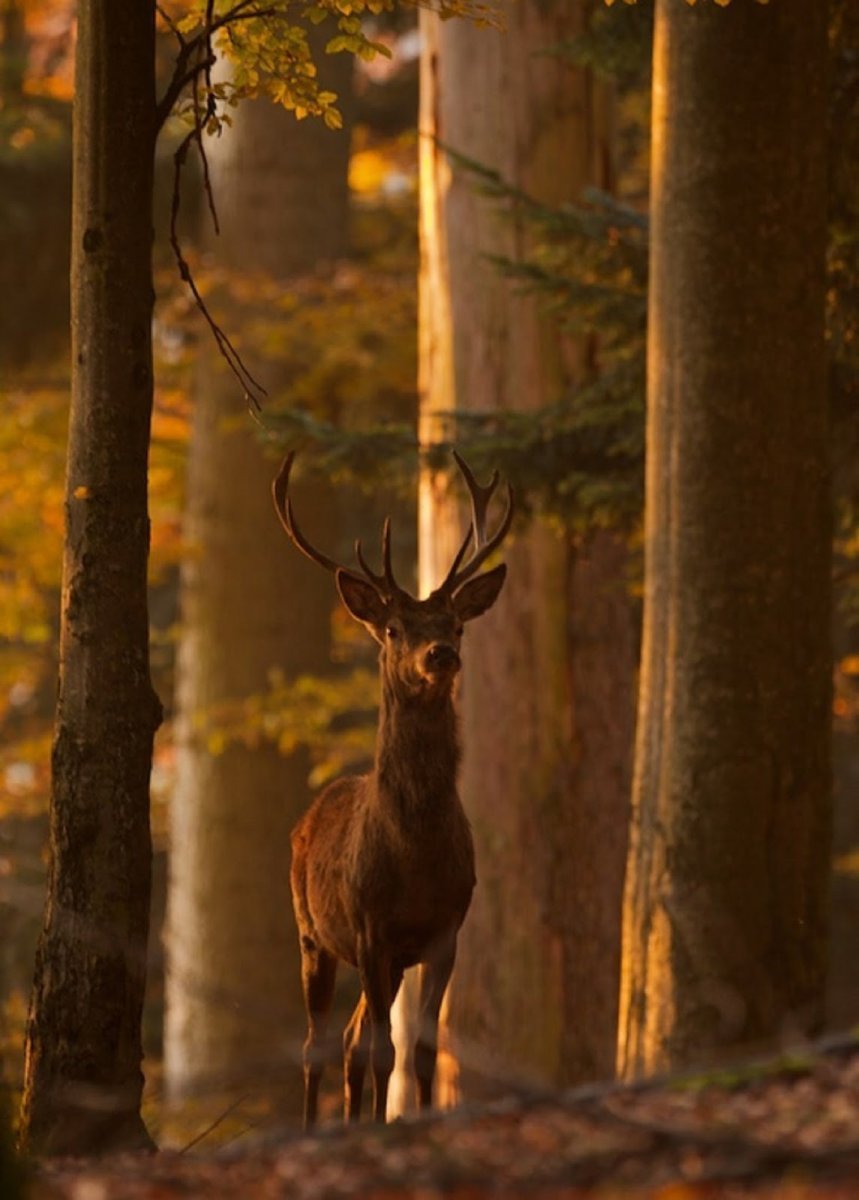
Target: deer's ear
479,594
362,600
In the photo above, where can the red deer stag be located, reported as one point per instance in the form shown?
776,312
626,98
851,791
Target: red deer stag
383,864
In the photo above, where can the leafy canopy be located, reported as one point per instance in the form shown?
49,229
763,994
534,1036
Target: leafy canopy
266,43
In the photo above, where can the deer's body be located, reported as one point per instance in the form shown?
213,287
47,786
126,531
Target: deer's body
383,863
393,844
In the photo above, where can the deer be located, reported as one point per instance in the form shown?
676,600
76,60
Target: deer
383,864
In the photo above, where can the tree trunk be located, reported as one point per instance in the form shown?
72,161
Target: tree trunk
83,1076
727,880
250,605
13,52
546,689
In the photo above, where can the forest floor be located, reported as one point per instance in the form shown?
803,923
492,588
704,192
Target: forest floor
786,1127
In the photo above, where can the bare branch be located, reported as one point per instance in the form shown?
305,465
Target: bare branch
210,101
180,77
211,110
252,388
196,58
214,1125
170,23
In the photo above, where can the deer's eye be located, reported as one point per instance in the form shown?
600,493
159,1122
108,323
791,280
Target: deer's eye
458,630
392,632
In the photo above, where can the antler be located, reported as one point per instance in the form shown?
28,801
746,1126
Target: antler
384,584
483,547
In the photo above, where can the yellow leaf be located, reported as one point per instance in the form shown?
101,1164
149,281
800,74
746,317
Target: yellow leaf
81,493
216,743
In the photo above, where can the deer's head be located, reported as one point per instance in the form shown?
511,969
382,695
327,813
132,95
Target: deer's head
420,639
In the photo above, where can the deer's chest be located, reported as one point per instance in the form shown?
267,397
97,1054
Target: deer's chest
416,887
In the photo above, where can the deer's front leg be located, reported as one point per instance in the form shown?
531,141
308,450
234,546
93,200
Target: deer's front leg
435,974
374,966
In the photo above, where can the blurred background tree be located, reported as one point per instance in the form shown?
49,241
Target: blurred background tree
547,692
234,1012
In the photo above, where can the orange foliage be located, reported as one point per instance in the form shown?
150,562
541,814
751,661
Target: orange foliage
51,27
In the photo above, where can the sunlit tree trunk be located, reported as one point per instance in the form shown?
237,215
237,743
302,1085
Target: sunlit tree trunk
83,1076
546,687
250,604
726,891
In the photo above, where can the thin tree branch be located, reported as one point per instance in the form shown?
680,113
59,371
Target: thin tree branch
210,10
182,74
214,1125
170,23
252,388
199,124
199,53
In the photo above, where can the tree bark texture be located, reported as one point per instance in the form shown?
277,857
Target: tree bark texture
250,604
546,694
727,882
83,1066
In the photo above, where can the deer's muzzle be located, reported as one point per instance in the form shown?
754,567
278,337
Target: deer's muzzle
441,659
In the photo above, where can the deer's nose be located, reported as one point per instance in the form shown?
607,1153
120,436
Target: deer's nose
442,656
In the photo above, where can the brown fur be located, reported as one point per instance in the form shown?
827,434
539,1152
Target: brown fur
383,863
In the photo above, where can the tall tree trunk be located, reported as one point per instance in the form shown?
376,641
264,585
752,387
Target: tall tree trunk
726,889
546,691
83,1078
250,605
13,51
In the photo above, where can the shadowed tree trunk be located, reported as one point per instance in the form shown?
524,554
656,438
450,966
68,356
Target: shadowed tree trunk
13,51
83,1078
546,688
250,605
727,882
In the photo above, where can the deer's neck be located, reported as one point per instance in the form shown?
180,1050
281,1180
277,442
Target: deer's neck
417,752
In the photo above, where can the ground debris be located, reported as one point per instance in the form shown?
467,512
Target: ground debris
784,1127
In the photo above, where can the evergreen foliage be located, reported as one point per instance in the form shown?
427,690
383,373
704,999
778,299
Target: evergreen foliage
582,458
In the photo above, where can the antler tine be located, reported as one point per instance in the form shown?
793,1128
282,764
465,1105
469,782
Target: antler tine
386,583
283,506
480,498
378,581
386,556
483,547
454,566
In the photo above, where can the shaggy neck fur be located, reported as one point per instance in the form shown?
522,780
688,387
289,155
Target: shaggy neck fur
417,751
